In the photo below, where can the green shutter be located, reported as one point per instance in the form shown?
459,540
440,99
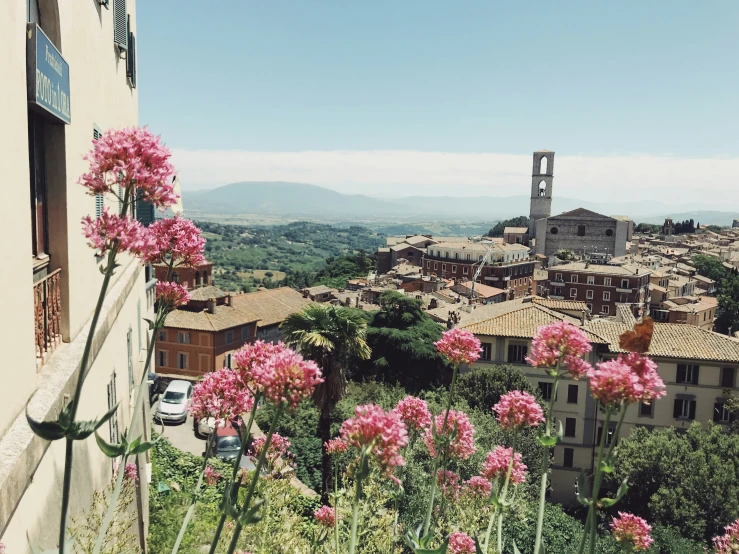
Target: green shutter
120,24
144,211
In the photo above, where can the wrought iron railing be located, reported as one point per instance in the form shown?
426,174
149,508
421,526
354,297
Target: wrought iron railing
47,309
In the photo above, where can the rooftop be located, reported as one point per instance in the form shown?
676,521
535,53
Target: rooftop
582,267
223,317
271,306
515,230
206,293
319,289
553,304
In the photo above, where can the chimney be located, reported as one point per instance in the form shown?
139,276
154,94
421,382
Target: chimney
583,317
229,300
211,305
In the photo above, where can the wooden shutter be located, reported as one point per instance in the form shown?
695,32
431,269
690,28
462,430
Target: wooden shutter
120,24
696,372
131,55
692,409
680,373
678,408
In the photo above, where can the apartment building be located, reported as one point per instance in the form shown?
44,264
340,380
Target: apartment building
506,266
601,286
68,73
188,277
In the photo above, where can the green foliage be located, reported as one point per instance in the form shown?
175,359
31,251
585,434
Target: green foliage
497,230
684,227
482,387
648,228
727,286
688,480
711,267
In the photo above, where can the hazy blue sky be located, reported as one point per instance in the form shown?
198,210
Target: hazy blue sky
635,80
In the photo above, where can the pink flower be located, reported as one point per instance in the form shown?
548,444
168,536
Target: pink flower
628,528
647,373
497,462
131,472
561,343
478,486
171,295
414,412
382,435
326,516
459,346
517,409
459,543
251,360
132,158
727,543
211,475
110,229
448,483
335,446
221,395
286,378
2,548
459,432
278,447
615,382
174,240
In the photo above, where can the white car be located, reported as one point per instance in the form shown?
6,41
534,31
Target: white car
206,426
174,402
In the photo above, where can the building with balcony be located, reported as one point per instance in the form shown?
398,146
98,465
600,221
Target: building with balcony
68,73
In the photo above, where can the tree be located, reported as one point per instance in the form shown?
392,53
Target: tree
711,267
686,480
402,338
648,228
497,230
727,315
331,336
483,387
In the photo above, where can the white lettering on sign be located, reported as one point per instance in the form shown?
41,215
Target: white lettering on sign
53,61
50,96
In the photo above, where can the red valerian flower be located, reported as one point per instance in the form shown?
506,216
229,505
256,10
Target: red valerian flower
172,295
326,516
251,360
211,475
131,472
615,382
414,412
562,343
459,431
631,529
381,434
174,240
448,482
518,409
497,462
478,486
460,543
286,378
647,372
336,446
459,346
278,447
109,229
728,543
220,395
134,158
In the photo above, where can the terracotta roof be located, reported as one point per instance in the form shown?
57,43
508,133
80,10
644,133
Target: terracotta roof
693,307
206,293
554,304
582,267
486,291
319,289
223,317
515,230
271,306
581,213
674,340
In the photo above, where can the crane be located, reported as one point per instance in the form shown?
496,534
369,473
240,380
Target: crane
476,276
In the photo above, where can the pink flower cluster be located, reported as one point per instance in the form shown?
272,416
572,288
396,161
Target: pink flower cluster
561,343
381,433
171,295
478,486
335,446
221,395
459,346
174,240
278,447
728,543
252,358
108,229
460,543
631,529
627,379
131,157
286,378
131,472
459,432
414,412
497,462
517,409
326,516
448,483
211,475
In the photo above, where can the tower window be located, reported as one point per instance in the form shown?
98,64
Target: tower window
581,230
554,230
543,188
609,232
543,162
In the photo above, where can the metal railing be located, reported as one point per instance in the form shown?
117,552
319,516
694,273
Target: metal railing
47,311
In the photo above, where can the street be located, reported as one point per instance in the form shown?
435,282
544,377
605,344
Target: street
180,435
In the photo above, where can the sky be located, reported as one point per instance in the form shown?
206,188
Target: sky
394,98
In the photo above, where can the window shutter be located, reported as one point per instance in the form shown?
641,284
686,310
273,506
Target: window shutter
696,372
511,353
131,56
120,24
99,202
718,408
680,373
692,409
678,409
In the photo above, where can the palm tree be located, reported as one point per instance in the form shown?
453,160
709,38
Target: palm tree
330,336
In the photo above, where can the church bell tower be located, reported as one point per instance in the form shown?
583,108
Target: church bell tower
542,175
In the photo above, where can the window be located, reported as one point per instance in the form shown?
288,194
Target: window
588,295
465,269
428,265
554,230
568,457
591,279
546,390
609,436
480,257
624,283
443,267
721,414
112,401
244,333
487,351
684,408
517,353
606,295
609,232
581,230
572,391
646,410
573,293
163,336
229,337
558,277
589,307
227,362
37,158
687,373
176,277
468,258
570,426
606,309
728,377
183,338
454,269
182,361
456,255
607,281
436,266
446,254
120,24
573,278
161,358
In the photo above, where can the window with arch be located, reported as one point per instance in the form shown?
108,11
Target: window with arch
543,188
554,230
543,164
446,254
456,255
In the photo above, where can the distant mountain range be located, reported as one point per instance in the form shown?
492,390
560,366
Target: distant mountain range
312,201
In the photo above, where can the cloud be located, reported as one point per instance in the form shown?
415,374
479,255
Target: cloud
392,173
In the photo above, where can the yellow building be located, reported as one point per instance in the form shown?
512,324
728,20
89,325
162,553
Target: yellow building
699,368
68,73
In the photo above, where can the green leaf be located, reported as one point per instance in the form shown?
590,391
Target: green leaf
606,466
110,450
80,430
478,548
560,431
547,441
441,550
582,488
622,489
150,322
65,417
47,430
515,548
252,515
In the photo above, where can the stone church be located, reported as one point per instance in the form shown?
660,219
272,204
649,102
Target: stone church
581,231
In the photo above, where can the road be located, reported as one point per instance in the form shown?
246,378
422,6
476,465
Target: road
181,435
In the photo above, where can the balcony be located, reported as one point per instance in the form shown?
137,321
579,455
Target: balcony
47,311
557,283
627,291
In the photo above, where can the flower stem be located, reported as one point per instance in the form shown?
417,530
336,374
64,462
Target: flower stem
336,504
195,496
503,493
355,507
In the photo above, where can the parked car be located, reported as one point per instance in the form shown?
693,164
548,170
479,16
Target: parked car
174,402
204,427
153,381
226,447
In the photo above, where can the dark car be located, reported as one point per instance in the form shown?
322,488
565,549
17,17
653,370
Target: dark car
153,381
226,446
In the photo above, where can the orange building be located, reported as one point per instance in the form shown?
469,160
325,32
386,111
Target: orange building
188,277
